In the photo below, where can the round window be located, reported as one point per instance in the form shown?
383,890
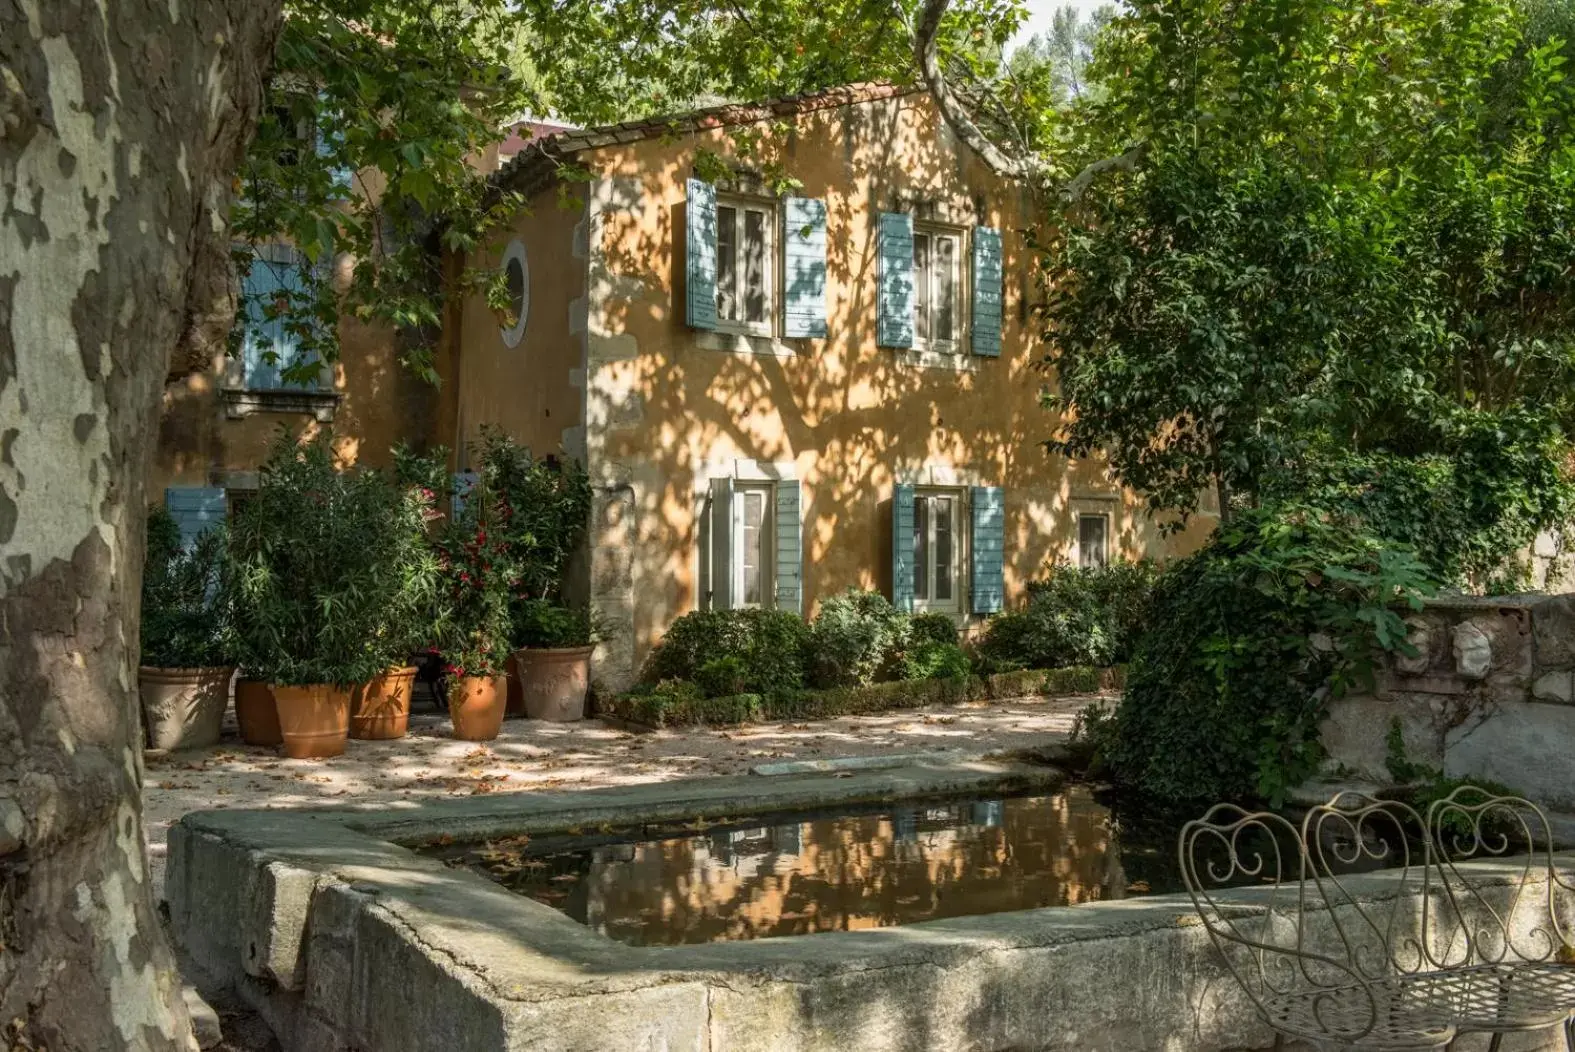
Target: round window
516,272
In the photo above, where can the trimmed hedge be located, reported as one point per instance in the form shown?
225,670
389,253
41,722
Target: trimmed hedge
672,704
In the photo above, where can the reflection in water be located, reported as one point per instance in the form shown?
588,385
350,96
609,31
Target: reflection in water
802,874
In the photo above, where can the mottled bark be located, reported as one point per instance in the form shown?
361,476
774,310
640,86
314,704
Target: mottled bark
121,122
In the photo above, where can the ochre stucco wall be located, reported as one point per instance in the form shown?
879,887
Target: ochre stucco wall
381,403
535,389
665,406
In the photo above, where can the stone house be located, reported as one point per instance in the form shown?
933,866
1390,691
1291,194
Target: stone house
794,345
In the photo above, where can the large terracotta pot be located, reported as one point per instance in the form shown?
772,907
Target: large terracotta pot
183,708
256,713
475,704
380,708
554,682
314,720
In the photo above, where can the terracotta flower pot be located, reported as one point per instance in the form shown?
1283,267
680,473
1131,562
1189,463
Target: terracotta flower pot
183,708
554,682
475,704
380,708
314,720
256,713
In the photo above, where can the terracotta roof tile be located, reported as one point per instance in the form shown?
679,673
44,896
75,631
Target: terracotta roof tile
533,167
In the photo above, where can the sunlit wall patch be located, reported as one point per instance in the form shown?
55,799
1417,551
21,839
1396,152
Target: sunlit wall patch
516,271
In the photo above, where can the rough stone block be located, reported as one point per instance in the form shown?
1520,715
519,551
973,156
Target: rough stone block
1356,728
1553,633
1473,650
1525,746
1554,686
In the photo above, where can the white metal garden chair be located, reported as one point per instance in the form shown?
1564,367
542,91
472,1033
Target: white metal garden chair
1434,956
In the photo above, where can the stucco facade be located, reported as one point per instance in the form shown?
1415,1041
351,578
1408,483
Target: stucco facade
609,370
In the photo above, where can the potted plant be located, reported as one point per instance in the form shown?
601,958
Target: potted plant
543,510
475,634
412,614
315,556
553,658
184,674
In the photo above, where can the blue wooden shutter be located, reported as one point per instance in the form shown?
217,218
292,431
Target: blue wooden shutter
902,547
700,256
989,549
721,544
789,548
464,482
895,250
804,267
987,268
194,509
262,334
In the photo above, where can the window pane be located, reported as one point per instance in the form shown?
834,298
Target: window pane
1092,545
921,286
752,545
921,552
726,263
945,287
944,508
754,265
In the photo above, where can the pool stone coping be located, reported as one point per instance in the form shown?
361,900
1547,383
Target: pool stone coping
343,937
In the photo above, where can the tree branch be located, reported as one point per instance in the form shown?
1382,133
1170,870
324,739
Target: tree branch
1126,162
926,49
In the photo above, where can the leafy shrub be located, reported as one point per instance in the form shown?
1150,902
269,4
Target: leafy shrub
185,604
722,676
769,647
932,627
332,576
477,573
931,660
855,639
543,512
1075,616
1248,639
549,624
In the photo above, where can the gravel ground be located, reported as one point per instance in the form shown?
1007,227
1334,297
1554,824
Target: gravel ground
530,755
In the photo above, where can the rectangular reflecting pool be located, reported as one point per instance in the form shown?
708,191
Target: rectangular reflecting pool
797,874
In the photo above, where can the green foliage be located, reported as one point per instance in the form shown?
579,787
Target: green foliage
855,639
1074,616
373,115
550,624
723,676
543,510
477,576
612,61
928,659
1337,256
932,626
185,599
1248,639
332,578
764,649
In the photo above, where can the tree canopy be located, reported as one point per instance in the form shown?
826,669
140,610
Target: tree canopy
1335,260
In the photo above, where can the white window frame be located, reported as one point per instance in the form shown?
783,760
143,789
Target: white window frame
923,558
1083,560
768,523
932,231
768,209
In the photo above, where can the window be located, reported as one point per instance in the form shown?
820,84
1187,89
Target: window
275,309
936,585
752,575
1093,540
516,277
937,288
743,266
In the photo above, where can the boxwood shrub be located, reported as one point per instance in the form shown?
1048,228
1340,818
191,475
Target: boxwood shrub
732,651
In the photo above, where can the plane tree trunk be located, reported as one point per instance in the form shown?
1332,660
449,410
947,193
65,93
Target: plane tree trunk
121,125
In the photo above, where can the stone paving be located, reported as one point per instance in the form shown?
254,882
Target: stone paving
530,755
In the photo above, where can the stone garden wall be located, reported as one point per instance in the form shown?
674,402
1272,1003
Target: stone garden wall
1491,694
